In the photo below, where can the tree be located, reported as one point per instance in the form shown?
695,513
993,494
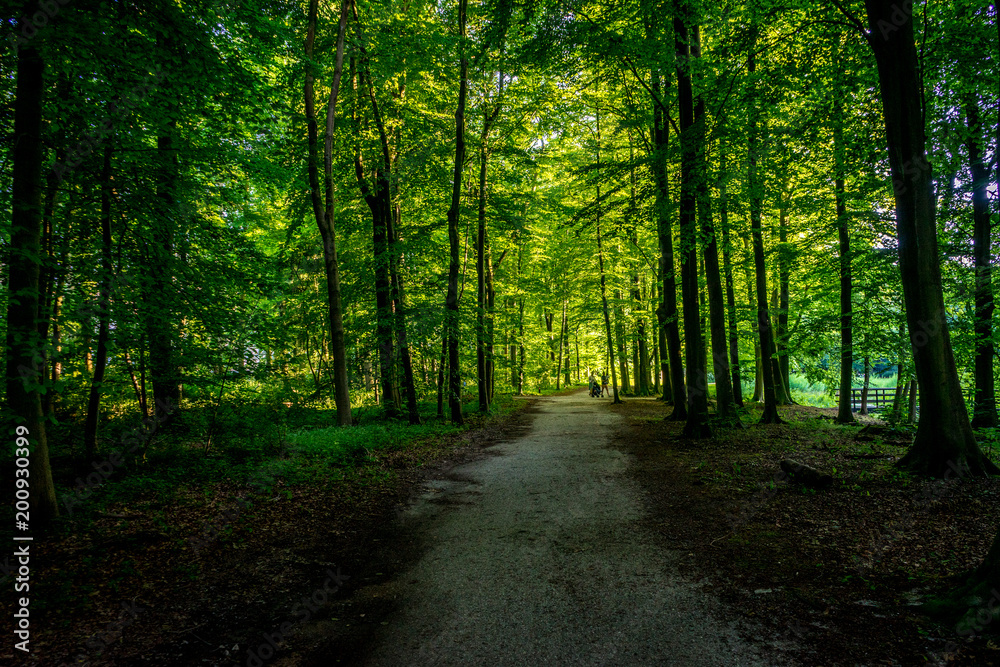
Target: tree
324,212
454,212
696,425
770,413
25,380
944,435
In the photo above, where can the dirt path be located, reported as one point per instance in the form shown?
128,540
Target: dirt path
538,554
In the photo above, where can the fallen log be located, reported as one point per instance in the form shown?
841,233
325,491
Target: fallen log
800,473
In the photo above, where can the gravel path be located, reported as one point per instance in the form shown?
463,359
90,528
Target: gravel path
539,556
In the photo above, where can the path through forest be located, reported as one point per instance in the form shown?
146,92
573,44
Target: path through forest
538,555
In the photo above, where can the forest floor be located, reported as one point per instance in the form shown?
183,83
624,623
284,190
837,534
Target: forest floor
843,570
318,575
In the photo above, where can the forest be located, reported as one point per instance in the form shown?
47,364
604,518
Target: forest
305,234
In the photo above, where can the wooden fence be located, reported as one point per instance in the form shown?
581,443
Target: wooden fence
879,398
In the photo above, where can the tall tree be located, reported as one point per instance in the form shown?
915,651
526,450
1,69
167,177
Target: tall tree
984,408
323,212
845,413
725,405
454,212
482,359
944,435
756,187
103,311
25,378
696,425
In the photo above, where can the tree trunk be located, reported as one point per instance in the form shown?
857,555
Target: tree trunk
984,410
845,415
440,377
562,326
896,412
666,312
158,303
697,425
725,406
864,389
661,332
727,268
944,435
520,345
756,150
781,393
484,400
103,314
565,336
399,313
781,330
451,301
490,301
600,266
324,214
620,342
24,375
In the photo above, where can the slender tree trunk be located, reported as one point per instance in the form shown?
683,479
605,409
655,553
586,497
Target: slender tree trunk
727,268
399,313
484,401
781,330
984,410
756,150
324,213
24,373
559,363
440,377
549,319
845,415
104,312
635,386
576,340
451,301
565,336
781,393
483,358
520,346
490,302
620,342
666,312
725,405
896,412
864,389
664,364
912,407
160,325
600,266
697,425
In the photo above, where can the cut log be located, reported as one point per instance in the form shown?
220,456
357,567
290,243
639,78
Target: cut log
800,473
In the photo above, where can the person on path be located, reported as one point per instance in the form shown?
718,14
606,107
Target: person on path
604,383
595,389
